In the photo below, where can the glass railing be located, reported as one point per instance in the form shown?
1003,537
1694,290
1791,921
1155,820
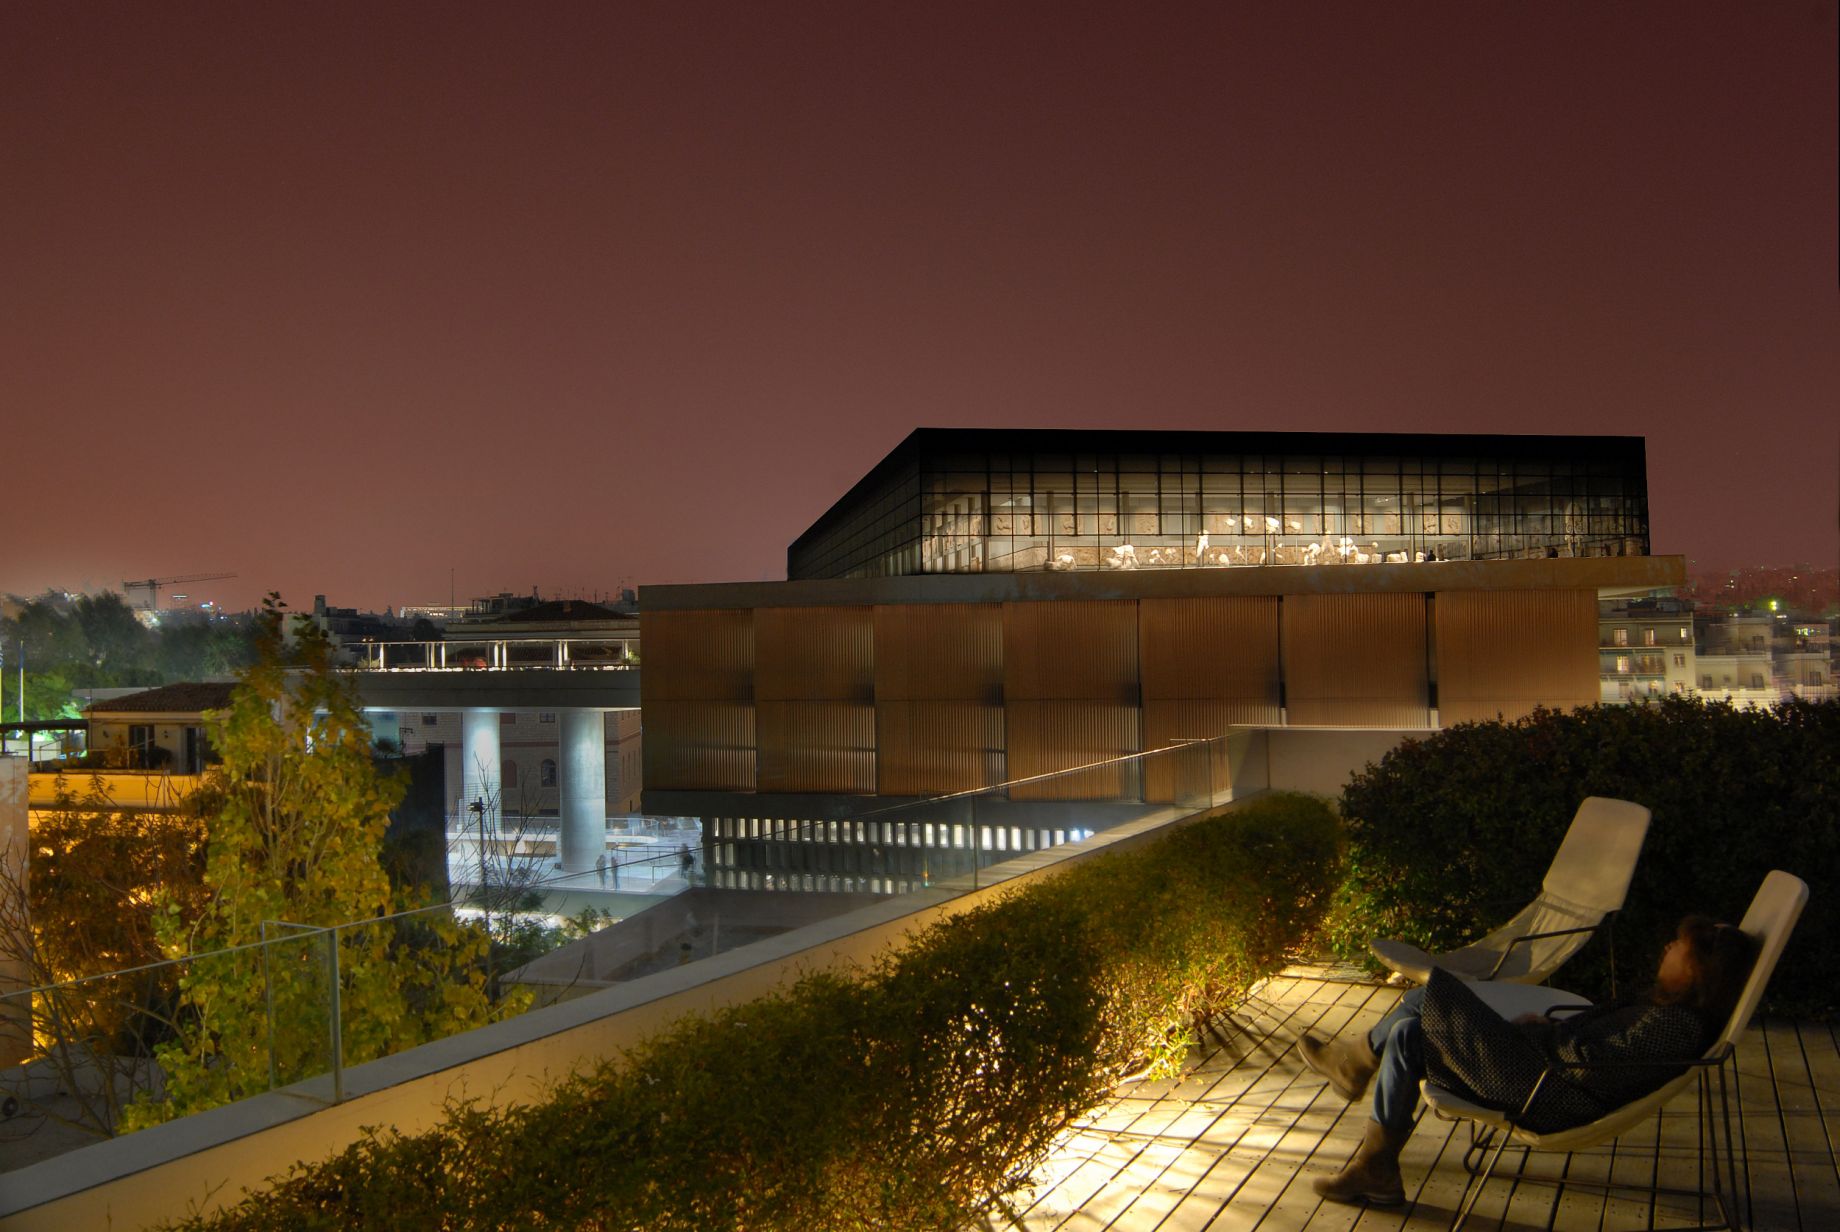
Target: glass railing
292,1009
299,1005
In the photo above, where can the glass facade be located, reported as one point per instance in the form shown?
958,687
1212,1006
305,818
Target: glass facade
998,501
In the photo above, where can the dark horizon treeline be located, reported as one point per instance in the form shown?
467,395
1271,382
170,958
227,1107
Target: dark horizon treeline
98,642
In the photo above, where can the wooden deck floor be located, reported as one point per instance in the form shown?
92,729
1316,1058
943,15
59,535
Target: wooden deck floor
1236,1140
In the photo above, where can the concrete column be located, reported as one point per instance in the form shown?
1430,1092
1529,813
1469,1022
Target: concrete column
583,775
479,761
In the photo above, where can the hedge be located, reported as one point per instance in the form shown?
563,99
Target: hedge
917,1094
1447,836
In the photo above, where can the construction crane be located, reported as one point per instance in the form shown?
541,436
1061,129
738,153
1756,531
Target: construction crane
152,585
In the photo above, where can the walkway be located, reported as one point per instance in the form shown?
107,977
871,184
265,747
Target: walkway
1234,1143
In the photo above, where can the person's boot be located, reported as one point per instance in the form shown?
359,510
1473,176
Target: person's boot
1372,1176
1348,1065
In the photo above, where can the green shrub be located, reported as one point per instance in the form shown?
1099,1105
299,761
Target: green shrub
1449,835
915,1095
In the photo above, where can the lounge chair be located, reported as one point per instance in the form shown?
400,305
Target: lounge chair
1771,918
1586,886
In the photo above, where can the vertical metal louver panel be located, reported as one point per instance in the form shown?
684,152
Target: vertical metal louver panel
1501,653
944,651
696,692
938,697
1221,650
928,747
1045,736
1208,664
1171,721
697,654
814,685
1072,650
1071,696
1355,660
816,746
699,744
812,653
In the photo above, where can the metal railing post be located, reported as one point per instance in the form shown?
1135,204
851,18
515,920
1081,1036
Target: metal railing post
268,994
337,1031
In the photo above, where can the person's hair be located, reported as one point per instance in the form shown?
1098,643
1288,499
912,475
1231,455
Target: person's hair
1720,956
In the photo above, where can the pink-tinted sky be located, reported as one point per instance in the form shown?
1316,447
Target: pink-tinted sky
342,297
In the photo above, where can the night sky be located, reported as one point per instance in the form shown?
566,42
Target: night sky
342,297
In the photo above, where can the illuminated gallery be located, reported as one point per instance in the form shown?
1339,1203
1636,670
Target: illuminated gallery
989,605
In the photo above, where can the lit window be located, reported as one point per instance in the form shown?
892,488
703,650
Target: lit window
1648,637
1622,664
546,773
1619,637
1680,660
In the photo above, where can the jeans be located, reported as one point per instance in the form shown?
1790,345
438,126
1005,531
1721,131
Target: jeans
1398,1039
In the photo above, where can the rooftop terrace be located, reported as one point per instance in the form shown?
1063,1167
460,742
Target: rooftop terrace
1235,1141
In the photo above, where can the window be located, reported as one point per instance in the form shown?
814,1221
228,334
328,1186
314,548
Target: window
1648,637
507,719
1680,660
1756,680
429,720
546,773
1705,682
547,716
507,773
1622,664
1686,633
1619,637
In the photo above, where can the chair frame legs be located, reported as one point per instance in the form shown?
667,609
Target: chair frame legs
1487,1143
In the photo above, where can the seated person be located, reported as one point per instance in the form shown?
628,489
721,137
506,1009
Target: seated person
1447,1032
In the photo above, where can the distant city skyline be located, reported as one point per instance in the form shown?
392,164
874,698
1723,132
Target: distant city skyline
342,298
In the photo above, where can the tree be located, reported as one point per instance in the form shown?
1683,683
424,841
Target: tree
295,819
80,928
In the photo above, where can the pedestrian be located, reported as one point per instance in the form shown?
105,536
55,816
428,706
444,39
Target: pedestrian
600,866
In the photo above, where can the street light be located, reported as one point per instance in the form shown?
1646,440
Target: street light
478,809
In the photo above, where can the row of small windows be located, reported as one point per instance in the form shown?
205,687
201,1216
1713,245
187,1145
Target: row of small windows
894,833
813,883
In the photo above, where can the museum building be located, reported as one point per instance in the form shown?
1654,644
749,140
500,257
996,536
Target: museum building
990,605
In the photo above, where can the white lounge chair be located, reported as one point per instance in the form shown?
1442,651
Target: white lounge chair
1771,918
1586,885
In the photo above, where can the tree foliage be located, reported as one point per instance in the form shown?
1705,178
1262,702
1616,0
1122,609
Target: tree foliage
97,641
81,928
296,814
95,873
